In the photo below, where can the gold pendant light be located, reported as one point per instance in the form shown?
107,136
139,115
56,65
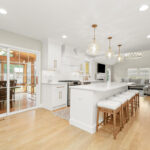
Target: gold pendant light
119,55
109,53
93,48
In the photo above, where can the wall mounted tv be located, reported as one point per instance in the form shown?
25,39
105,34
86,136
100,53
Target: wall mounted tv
100,68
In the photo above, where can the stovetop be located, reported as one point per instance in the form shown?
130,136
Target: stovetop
69,81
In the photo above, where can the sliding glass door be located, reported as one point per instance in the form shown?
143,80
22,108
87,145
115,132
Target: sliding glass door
3,81
19,79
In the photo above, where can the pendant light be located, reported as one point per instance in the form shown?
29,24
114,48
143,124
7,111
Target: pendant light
93,48
119,55
109,53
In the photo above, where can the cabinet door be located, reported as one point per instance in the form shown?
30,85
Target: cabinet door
54,56
60,95
64,95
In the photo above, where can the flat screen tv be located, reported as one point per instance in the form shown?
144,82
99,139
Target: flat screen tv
100,68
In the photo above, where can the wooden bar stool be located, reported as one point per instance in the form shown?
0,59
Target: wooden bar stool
124,107
136,100
112,108
131,97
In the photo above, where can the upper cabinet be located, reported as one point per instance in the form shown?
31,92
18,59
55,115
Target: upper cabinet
66,62
54,55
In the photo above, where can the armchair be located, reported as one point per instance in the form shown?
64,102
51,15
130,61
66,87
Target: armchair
146,90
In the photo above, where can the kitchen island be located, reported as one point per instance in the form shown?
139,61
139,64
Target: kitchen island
84,98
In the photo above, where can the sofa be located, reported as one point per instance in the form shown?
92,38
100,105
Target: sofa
146,90
137,84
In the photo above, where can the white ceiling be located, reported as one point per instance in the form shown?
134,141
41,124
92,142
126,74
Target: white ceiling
41,19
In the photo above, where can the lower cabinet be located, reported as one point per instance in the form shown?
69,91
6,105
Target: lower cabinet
54,96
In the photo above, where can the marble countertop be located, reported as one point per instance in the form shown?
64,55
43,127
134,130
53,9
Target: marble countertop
100,87
54,83
92,81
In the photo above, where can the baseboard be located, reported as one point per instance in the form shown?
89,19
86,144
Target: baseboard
83,126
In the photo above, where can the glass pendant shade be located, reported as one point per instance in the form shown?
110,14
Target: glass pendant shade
119,58
93,48
109,53
119,55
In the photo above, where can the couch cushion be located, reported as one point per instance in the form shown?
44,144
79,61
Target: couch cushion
146,81
138,81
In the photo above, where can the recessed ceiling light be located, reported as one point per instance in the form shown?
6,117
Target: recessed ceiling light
64,36
143,7
3,11
148,36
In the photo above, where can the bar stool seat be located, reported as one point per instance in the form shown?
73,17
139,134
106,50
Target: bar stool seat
133,91
109,104
119,98
109,107
128,94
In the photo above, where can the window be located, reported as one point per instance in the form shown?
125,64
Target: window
132,73
144,73
139,73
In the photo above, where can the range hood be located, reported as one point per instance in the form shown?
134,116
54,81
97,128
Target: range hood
69,51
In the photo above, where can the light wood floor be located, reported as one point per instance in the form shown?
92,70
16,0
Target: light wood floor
41,130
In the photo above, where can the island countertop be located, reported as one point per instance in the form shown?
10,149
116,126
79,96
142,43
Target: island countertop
100,87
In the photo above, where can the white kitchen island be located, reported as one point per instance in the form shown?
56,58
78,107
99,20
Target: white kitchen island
84,98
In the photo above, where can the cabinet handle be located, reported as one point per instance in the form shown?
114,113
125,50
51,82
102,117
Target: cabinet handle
60,86
60,95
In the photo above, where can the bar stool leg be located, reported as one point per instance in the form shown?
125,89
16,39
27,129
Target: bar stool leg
136,102
132,108
97,119
120,120
122,113
104,118
114,124
138,99
128,111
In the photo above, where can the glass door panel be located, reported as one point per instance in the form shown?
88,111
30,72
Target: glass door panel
3,81
22,69
31,80
15,80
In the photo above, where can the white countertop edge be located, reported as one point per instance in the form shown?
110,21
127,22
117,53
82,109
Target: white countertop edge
98,89
54,83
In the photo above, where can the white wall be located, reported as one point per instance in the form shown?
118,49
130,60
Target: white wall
17,40
119,70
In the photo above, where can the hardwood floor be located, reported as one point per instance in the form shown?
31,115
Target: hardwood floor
22,102
41,130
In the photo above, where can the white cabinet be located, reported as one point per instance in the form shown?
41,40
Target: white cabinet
54,96
60,95
54,55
